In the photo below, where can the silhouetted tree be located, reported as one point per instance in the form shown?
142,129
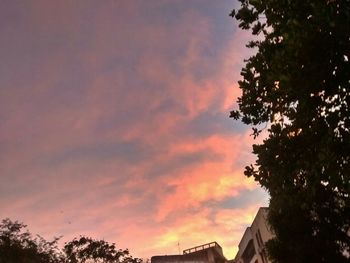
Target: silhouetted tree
86,249
18,246
298,85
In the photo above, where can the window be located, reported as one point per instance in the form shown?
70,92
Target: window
263,256
249,252
259,238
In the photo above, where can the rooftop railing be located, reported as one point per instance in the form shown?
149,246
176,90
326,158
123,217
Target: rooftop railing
202,247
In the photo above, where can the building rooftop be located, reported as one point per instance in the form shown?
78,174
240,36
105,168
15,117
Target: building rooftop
206,253
204,246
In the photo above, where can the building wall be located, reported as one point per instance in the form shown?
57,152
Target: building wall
251,248
209,255
198,258
261,233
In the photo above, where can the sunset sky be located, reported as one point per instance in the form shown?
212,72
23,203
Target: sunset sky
114,122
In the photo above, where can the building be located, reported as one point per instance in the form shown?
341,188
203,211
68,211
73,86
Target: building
252,245
251,248
207,253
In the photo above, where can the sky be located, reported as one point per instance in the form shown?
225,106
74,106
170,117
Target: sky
114,123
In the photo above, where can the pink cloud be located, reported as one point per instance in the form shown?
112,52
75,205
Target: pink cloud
117,80
194,184
225,226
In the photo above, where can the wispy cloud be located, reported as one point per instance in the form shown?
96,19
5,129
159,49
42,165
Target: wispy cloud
114,123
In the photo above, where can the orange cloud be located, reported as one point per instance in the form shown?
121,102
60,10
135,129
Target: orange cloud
102,139
226,226
212,180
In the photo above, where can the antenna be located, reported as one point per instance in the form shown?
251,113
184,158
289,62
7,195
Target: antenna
178,245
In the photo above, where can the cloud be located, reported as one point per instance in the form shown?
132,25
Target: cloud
203,226
114,123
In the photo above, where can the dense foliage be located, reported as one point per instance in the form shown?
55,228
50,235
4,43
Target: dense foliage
86,249
298,86
17,245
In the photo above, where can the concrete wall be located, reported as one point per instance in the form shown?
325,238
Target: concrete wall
259,233
209,255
